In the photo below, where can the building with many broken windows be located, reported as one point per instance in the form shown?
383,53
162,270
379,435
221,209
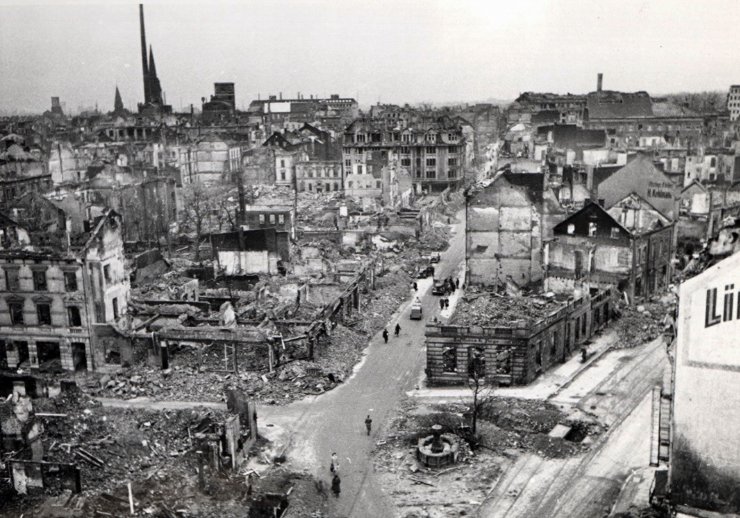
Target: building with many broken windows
629,246
59,290
433,151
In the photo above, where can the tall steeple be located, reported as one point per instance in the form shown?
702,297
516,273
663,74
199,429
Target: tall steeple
118,103
153,98
144,64
155,89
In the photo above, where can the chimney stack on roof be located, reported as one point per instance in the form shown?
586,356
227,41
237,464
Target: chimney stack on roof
599,81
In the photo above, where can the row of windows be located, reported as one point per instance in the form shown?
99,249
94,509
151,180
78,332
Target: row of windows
331,173
405,150
361,138
272,219
12,280
368,185
658,127
327,187
43,314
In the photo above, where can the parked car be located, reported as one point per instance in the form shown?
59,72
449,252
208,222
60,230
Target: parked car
439,287
426,271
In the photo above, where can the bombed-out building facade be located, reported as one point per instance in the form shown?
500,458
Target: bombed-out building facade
59,292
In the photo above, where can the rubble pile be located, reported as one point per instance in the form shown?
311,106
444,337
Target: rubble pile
156,452
639,324
479,306
435,239
391,289
114,445
523,424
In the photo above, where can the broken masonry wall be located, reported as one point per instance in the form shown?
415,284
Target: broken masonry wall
514,355
107,277
610,263
113,350
29,476
500,230
248,262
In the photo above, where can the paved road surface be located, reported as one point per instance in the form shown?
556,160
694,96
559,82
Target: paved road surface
587,485
335,421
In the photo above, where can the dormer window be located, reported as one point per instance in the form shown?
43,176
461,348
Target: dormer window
571,229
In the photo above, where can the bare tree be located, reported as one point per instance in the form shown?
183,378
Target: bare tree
480,387
199,201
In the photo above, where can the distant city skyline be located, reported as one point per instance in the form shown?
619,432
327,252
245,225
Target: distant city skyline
381,51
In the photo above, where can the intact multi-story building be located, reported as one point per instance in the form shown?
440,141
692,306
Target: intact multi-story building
318,175
733,102
434,152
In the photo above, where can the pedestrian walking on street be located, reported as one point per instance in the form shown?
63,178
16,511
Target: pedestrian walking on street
398,329
368,423
335,485
447,303
385,335
457,283
334,468
416,287
441,303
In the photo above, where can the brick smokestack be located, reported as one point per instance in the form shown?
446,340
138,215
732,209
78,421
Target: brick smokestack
599,81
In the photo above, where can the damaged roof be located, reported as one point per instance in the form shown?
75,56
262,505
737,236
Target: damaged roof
533,183
609,104
570,136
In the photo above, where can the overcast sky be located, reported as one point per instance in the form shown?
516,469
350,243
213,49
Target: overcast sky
374,50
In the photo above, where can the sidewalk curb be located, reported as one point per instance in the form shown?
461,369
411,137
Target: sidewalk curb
580,370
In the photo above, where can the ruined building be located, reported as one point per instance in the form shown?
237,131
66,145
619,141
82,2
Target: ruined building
433,151
59,289
629,247
222,104
508,222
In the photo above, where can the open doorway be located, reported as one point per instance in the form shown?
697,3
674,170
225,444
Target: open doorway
50,357
79,356
21,349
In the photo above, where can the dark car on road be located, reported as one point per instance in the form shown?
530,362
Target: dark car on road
426,271
439,287
435,258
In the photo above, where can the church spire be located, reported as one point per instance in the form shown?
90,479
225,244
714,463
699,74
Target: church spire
144,64
152,66
118,103
155,89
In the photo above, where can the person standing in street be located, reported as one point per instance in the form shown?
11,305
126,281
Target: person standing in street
416,287
385,335
334,467
368,423
447,303
398,329
457,283
441,303
335,485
